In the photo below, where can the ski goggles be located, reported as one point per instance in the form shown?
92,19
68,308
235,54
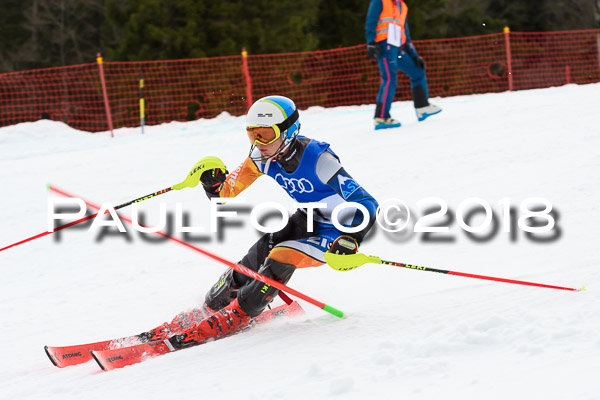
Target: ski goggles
263,134
268,134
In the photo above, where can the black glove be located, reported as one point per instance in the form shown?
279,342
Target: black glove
344,245
373,51
212,181
419,62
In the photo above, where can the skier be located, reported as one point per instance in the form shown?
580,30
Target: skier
309,171
389,42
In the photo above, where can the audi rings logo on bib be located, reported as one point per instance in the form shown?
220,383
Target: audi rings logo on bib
293,185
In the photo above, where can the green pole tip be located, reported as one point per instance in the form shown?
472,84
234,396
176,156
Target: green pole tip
583,289
333,311
47,186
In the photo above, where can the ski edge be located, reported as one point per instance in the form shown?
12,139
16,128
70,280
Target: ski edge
97,360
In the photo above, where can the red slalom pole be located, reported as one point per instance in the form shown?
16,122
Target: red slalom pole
238,267
50,187
191,180
39,235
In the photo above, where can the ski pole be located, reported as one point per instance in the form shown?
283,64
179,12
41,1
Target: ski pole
352,261
238,267
192,180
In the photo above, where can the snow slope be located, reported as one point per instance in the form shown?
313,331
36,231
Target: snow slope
409,334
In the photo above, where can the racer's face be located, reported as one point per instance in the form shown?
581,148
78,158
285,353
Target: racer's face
269,150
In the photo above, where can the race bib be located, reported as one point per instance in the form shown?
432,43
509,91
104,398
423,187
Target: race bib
394,37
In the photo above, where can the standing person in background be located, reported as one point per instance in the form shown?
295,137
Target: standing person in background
388,42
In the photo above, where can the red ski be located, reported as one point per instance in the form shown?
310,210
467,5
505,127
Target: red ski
119,358
110,359
65,356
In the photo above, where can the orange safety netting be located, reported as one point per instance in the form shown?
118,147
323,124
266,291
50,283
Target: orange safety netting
184,90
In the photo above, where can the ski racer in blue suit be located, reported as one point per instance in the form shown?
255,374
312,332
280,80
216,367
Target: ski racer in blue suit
310,172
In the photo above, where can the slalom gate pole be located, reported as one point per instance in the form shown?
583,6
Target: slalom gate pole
353,261
50,187
191,180
238,267
142,102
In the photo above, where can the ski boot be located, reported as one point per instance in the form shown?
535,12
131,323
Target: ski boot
225,321
221,293
386,123
180,323
427,111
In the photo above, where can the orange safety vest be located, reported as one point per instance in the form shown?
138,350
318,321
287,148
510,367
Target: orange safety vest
391,14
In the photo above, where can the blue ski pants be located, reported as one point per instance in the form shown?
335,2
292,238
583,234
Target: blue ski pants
390,61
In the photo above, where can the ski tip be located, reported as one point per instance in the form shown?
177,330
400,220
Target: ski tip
583,289
47,186
97,360
50,356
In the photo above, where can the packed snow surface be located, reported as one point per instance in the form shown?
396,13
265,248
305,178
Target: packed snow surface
408,333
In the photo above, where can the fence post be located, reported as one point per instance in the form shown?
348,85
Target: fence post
247,76
508,57
104,94
598,46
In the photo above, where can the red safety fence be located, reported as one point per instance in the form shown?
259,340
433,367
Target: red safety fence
184,90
